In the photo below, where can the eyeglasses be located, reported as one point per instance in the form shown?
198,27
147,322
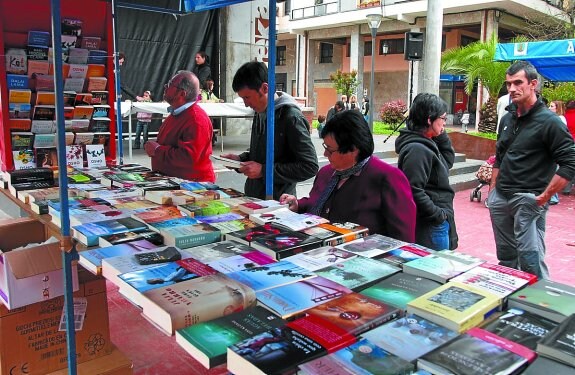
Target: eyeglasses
328,150
444,118
169,84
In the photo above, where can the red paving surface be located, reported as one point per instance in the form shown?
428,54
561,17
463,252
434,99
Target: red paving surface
153,352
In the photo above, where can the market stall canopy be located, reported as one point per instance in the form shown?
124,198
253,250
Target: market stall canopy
554,59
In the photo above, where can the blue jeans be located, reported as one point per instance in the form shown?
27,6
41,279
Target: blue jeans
141,126
439,236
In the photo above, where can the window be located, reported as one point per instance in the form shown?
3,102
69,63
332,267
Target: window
280,55
394,46
443,42
466,40
348,50
287,7
367,49
326,53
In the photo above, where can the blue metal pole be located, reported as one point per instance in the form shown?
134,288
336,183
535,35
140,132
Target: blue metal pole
270,113
68,251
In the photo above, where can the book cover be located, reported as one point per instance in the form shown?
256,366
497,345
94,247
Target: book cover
30,175
343,232
95,155
157,214
547,298
521,327
99,97
467,354
442,265
282,245
45,141
456,306
260,206
248,235
321,257
205,208
161,275
241,261
559,344
110,193
91,259
403,254
285,218
353,313
410,337
22,140
96,70
44,112
20,96
208,342
75,156
271,275
290,300
24,159
360,358
19,110
543,365
220,218
17,60
88,233
358,273
372,246
218,250
276,351
127,237
42,194
15,189
194,301
226,227
19,124
43,126
400,288
186,232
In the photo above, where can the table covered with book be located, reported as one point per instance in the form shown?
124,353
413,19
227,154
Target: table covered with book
250,285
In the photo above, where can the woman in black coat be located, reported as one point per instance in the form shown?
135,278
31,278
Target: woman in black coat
202,68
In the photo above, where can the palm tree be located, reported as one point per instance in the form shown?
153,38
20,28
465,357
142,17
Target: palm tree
475,61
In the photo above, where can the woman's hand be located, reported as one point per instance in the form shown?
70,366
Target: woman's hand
290,200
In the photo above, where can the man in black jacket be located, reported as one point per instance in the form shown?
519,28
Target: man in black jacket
295,157
532,142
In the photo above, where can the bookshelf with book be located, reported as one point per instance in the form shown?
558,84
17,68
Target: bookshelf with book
38,67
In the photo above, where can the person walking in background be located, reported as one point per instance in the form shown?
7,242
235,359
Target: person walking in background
356,186
365,108
532,141
184,142
321,123
144,120
337,107
426,156
202,68
345,102
295,158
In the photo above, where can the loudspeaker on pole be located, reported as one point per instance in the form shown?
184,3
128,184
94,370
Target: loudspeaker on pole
413,48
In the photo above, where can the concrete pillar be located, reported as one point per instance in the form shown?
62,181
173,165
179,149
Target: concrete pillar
432,51
301,65
311,63
356,58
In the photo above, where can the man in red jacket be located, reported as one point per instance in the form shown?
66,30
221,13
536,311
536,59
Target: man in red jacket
184,143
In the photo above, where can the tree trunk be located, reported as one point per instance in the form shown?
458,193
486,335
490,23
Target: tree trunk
488,119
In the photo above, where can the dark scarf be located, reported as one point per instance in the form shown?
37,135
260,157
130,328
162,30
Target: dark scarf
333,182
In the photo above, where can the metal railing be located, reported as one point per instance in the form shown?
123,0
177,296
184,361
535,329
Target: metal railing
315,10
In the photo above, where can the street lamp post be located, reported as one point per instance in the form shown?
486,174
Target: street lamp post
373,20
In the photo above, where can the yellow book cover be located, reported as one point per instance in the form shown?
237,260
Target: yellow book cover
455,306
83,112
20,96
45,98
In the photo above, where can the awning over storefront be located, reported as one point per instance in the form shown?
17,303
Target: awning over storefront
554,59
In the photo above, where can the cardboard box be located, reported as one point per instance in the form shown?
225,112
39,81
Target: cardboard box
31,343
29,275
115,363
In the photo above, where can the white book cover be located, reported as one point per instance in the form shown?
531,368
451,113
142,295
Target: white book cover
24,159
45,140
75,156
74,84
286,218
78,71
95,155
43,126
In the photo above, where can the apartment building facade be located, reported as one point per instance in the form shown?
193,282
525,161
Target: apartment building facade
317,37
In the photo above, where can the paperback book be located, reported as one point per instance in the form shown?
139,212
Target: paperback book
372,246
358,273
400,288
260,206
458,307
360,358
218,250
410,337
289,301
271,275
282,245
226,227
91,259
320,258
442,265
521,327
208,342
476,352
89,233
249,235
194,301
559,344
547,298
186,232
240,262
127,237
342,233
403,254
285,218
205,208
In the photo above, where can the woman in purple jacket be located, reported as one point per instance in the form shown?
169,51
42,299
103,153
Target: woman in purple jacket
356,186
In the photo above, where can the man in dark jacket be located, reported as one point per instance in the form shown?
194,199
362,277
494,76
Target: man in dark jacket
295,157
532,142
